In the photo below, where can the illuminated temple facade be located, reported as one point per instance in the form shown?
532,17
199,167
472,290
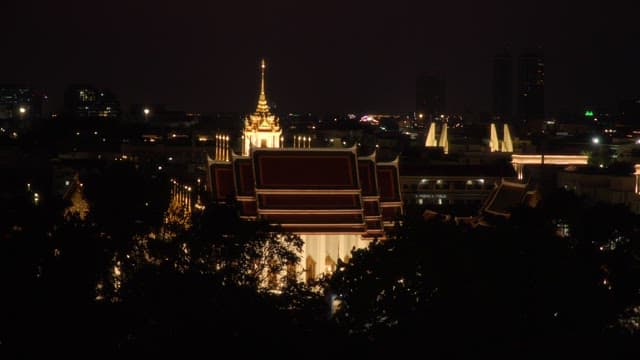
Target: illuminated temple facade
262,128
334,199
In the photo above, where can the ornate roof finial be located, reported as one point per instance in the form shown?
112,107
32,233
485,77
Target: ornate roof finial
263,107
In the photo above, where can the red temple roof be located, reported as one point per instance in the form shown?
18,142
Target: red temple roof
320,190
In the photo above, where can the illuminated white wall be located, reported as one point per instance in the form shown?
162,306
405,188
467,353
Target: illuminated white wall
258,138
637,174
322,247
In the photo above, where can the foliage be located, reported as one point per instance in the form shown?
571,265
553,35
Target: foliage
513,287
244,253
126,199
518,287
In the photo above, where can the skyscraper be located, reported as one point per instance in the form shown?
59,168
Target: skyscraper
503,86
88,102
430,96
530,86
20,106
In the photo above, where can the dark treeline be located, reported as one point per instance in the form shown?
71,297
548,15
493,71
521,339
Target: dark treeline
125,281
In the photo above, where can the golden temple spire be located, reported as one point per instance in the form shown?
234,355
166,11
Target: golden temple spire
263,107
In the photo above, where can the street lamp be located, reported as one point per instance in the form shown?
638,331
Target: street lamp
22,110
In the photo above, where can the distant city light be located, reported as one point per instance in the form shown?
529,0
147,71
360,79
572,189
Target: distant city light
22,110
588,113
146,111
369,119
595,140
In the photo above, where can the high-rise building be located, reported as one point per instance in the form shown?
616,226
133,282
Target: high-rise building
88,102
20,106
430,96
530,86
630,112
503,86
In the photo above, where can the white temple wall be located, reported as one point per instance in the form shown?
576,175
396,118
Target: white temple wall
336,246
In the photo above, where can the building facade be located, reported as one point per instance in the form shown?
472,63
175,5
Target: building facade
430,96
82,102
530,87
503,86
602,187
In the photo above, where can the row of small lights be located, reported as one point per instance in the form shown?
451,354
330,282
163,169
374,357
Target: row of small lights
439,181
13,134
36,196
188,188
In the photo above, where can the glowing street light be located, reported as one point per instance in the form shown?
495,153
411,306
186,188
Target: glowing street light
22,110
146,113
595,140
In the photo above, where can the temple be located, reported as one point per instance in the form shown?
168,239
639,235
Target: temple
333,198
262,128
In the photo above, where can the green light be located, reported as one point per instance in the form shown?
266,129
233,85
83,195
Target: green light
588,113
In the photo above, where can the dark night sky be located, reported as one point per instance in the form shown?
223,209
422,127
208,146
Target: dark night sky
322,56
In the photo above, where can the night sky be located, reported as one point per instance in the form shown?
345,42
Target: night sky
323,56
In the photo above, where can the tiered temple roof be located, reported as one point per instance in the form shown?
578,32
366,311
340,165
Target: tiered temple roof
306,190
316,190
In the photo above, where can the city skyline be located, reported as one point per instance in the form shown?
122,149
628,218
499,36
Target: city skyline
333,58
